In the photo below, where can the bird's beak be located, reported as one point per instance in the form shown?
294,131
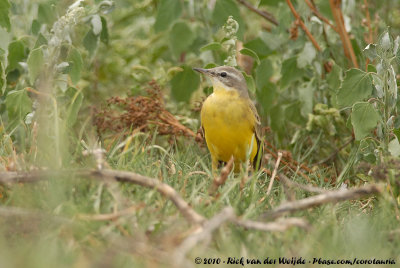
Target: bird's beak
201,70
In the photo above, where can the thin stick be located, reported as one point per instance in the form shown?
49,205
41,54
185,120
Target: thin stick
166,190
319,15
227,214
336,152
309,188
221,179
329,197
286,156
338,16
303,26
279,225
121,176
288,164
271,182
266,15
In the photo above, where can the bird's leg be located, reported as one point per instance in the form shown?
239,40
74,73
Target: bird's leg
214,166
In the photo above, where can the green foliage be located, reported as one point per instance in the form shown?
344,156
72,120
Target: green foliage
59,63
181,37
75,59
184,84
16,54
18,104
356,86
35,64
364,119
4,19
168,11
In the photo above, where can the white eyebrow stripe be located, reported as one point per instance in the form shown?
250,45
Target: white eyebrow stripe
234,75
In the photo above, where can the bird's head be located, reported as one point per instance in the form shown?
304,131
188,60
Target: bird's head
226,78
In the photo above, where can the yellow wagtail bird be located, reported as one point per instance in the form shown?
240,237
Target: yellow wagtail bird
229,119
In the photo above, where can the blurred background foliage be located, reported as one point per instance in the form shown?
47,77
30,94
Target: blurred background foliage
76,76
116,48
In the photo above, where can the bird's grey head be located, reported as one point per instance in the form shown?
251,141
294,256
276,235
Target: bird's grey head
228,76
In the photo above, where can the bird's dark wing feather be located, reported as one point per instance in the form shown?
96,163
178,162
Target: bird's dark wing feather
258,134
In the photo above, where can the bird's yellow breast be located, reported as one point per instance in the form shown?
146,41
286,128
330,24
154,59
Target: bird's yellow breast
228,124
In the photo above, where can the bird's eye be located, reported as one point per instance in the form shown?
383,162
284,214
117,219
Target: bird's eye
223,74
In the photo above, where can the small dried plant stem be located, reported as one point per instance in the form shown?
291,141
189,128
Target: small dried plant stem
221,179
303,26
338,16
271,182
324,198
266,15
319,15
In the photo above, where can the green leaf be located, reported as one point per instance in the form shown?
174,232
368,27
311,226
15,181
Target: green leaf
4,19
364,119
90,42
251,53
259,47
35,27
334,77
184,84
167,12
306,56
394,147
289,72
74,106
40,41
250,82
16,54
104,31
356,86
35,64
211,46
370,51
306,96
76,67
18,104
263,73
266,95
180,38
396,132
46,13
225,8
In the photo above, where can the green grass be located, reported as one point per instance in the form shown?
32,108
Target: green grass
342,231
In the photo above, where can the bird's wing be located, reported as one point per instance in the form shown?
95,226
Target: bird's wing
258,134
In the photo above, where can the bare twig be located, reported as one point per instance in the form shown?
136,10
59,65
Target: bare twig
338,16
227,214
121,176
279,225
319,15
309,188
266,15
329,197
336,152
288,164
303,26
218,181
271,182
166,190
